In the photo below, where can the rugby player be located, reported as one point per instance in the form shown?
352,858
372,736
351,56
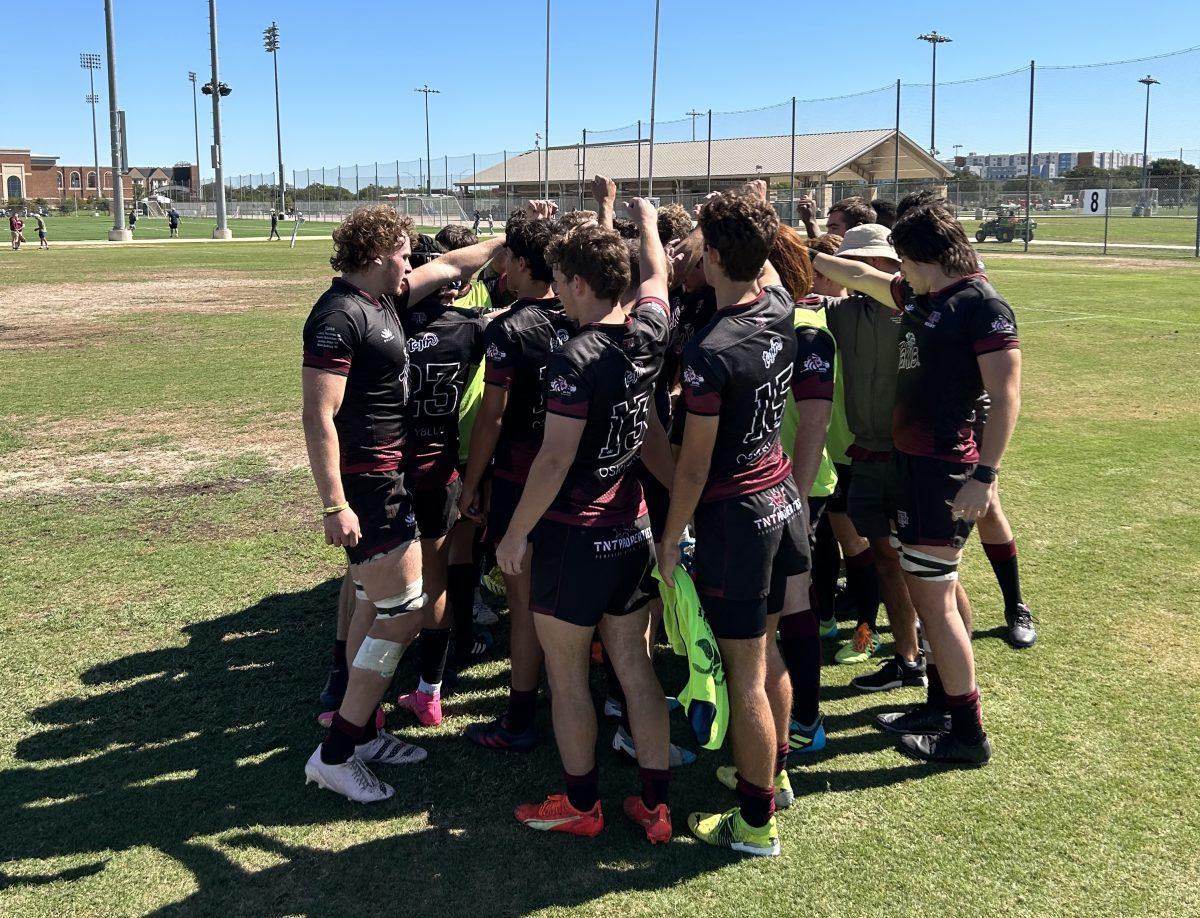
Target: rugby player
583,511
843,215
734,479
444,342
506,436
959,337
355,385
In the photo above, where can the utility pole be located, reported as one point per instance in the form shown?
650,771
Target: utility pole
1147,81
694,115
217,89
934,40
118,233
196,125
546,187
653,94
428,160
271,46
91,63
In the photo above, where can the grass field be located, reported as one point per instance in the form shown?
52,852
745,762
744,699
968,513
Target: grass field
87,226
1124,230
166,610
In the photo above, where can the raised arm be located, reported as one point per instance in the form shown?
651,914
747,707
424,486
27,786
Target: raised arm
651,256
854,275
451,268
604,191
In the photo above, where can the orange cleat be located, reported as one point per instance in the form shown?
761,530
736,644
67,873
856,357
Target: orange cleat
555,814
656,822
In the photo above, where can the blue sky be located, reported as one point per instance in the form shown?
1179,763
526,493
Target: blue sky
348,71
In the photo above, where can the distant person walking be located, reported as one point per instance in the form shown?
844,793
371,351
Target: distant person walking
41,230
132,219
475,225
274,226
173,222
15,225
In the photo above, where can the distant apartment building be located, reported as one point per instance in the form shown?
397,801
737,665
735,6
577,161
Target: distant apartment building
1003,166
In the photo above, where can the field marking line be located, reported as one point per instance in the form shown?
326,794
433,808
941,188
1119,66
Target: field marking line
1060,320
1107,315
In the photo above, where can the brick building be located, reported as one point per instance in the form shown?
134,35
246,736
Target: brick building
28,175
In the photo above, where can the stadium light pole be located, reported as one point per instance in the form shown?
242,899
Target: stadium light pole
428,159
271,46
196,125
217,89
694,115
653,95
118,233
1147,81
934,40
91,63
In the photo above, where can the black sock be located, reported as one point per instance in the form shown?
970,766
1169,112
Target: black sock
461,580
341,738
434,643
966,716
936,698
339,656
826,560
781,757
655,783
1004,564
862,580
521,708
757,803
583,790
800,645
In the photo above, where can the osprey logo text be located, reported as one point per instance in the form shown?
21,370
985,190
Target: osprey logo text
494,353
560,385
910,357
814,363
1001,325
772,352
422,342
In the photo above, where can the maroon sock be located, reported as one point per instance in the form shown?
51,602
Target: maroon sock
1004,564
655,782
800,645
583,790
862,581
521,708
339,655
781,757
757,803
936,698
826,560
966,716
340,740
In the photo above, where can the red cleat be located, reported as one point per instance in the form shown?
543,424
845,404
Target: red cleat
555,814
656,822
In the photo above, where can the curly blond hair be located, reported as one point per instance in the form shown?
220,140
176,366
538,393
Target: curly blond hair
370,232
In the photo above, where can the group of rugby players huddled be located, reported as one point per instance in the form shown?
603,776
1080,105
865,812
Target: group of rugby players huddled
654,391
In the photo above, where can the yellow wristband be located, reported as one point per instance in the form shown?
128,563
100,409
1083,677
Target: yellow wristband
336,508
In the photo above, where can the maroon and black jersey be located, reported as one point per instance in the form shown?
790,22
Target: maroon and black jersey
942,336
690,312
739,367
518,345
815,352
352,334
605,376
443,343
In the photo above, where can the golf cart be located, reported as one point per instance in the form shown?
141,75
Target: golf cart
1005,226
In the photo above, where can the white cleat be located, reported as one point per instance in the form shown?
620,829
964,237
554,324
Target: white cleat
352,779
623,742
386,749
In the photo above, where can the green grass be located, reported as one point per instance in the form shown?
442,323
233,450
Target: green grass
163,637
1121,230
87,226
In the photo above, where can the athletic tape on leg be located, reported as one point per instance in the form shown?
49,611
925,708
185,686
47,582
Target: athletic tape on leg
379,656
927,567
359,592
412,599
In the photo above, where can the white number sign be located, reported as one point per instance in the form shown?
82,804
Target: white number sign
1095,202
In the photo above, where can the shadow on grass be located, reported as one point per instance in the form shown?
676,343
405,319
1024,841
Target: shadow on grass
177,744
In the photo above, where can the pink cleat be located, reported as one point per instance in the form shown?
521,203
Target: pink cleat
428,708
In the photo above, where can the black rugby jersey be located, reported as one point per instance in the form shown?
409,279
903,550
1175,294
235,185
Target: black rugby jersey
605,375
739,367
518,345
443,343
942,336
351,333
690,312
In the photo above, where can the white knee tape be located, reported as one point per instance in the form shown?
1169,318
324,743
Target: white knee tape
411,600
926,566
379,656
359,592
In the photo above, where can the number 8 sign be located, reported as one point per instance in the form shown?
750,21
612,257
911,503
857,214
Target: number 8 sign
1095,202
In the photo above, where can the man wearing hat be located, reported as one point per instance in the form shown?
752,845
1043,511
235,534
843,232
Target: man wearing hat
867,334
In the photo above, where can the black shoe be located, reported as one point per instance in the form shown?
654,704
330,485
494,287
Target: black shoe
893,674
335,689
945,748
1021,633
920,720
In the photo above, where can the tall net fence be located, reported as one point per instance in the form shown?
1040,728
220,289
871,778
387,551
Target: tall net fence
1026,143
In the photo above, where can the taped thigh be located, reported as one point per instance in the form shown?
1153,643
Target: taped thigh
411,600
926,566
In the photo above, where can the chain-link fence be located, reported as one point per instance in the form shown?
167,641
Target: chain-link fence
1066,130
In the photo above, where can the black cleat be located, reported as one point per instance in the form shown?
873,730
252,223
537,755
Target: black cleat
946,749
893,674
921,720
1021,633
335,689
